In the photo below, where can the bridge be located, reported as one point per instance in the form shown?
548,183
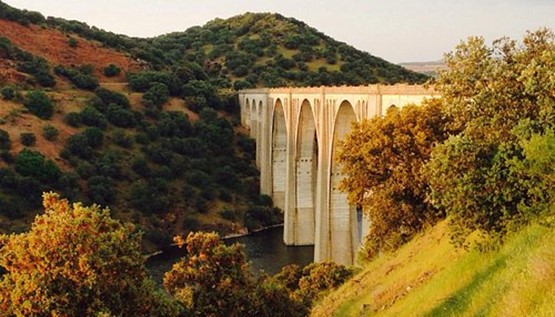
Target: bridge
297,131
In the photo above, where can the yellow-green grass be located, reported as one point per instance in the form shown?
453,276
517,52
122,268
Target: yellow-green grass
429,277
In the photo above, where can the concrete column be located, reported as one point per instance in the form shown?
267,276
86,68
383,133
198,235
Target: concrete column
290,223
265,146
322,238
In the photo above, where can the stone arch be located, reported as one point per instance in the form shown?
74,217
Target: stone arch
279,155
247,112
306,166
344,223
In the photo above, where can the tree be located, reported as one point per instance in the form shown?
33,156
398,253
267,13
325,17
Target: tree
382,160
4,140
35,165
157,95
212,279
50,132
39,104
499,96
28,138
77,261
111,70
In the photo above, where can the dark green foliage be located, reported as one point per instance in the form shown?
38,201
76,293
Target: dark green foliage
157,95
92,117
94,137
27,138
101,190
73,119
258,216
81,77
78,145
33,164
151,197
39,104
142,82
8,92
111,70
119,116
121,138
72,42
4,140
108,97
50,132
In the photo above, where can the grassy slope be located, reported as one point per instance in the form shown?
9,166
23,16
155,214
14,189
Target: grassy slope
429,277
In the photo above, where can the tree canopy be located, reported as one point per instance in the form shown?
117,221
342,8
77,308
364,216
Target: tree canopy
77,261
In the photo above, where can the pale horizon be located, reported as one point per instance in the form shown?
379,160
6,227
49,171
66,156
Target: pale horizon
397,31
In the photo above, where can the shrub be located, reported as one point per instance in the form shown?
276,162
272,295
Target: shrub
156,95
27,138
35,165
4,140
39,104
8,92
107,97
72,42
73,119
122,139
92,117
111,70
50,132
94,137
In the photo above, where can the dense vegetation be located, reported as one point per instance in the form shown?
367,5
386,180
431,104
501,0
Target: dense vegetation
78,261
169,169
249,50
482,154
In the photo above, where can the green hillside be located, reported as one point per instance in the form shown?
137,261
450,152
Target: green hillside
150,127
430,277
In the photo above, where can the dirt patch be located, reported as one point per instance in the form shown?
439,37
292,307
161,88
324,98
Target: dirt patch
54,46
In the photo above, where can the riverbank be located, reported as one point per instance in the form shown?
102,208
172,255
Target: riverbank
264,249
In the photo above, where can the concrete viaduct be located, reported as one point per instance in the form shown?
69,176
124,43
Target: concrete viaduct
297,131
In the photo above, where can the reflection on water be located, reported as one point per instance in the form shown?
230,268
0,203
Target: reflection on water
265,250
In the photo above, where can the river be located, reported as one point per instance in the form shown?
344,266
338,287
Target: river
264,249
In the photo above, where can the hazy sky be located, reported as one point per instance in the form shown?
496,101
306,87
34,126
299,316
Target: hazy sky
396,30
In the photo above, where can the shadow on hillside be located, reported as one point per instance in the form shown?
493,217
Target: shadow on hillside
458,303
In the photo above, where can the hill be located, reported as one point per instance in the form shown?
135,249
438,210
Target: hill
430,277
427,68
150,127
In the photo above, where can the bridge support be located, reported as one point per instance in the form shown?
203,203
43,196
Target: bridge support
297,132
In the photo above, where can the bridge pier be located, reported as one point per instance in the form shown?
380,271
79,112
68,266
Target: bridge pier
297,131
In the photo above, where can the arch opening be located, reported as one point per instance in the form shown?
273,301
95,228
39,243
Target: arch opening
279,156
345,221
306,166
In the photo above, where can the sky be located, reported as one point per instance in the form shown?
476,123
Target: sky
396,30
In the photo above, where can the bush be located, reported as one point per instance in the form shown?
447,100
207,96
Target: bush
39,104
4,140
73,119
27,138
111,70
156,95
72,42
107,97
8,92
94,137
35,165
92,117
50,132
122,139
